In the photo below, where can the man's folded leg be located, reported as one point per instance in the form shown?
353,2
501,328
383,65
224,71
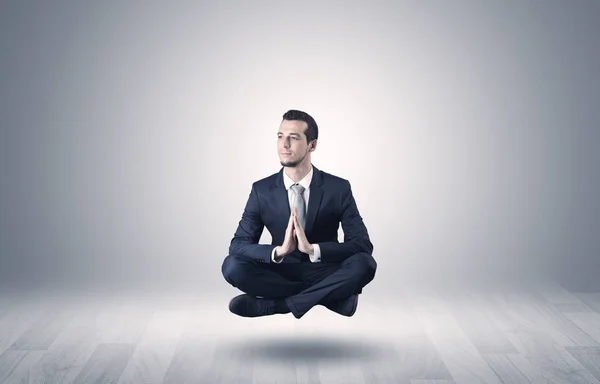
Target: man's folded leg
265,286
339,289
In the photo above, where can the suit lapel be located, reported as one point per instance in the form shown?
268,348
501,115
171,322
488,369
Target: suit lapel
314,200
280,196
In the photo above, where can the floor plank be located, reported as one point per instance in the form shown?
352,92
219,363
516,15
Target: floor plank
572,307
273,370
195,348
341,371
482,332
508,372
191,359
106,364
307,372
228,367
20,365
589,357
45,330
155,350
9,360
589,322
464,362
555,323
546,357
524,366
411,351
123,322
67,356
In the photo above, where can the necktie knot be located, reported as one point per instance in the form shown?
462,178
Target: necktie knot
298,189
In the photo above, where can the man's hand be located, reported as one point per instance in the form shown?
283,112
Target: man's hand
303,244
289,242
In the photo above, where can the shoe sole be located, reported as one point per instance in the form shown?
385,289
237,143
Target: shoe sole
354,308
352,312
247,314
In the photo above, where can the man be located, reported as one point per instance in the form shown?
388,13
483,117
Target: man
302,207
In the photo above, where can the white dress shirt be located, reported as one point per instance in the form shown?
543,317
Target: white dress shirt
305,182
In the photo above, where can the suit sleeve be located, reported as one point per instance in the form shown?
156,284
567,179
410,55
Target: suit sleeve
245,240
356,236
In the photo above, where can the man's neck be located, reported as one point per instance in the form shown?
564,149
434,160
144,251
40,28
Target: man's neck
298,172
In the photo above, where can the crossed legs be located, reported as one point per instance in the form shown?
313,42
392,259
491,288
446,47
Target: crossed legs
301,285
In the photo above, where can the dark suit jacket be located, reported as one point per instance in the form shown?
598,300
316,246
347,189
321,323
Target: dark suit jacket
330,203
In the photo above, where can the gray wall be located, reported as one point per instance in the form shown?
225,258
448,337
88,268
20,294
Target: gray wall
131,132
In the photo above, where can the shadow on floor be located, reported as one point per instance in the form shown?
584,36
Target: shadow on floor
308,349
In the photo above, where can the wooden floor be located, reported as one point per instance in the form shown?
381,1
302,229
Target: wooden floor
540,334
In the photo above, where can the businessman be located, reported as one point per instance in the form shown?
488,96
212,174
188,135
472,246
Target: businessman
302,207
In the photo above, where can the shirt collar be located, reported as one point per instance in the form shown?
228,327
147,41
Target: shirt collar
305,182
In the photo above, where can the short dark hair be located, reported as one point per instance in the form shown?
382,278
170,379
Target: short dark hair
312,132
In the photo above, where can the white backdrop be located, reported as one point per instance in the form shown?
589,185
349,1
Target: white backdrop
131,132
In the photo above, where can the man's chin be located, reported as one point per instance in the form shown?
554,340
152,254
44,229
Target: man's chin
289,164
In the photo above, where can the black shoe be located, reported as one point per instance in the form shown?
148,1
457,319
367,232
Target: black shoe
345,307
251,306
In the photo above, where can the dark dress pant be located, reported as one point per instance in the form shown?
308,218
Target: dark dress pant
301,285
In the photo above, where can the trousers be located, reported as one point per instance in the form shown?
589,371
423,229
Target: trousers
301,285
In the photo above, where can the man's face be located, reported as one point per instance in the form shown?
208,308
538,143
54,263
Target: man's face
291,142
